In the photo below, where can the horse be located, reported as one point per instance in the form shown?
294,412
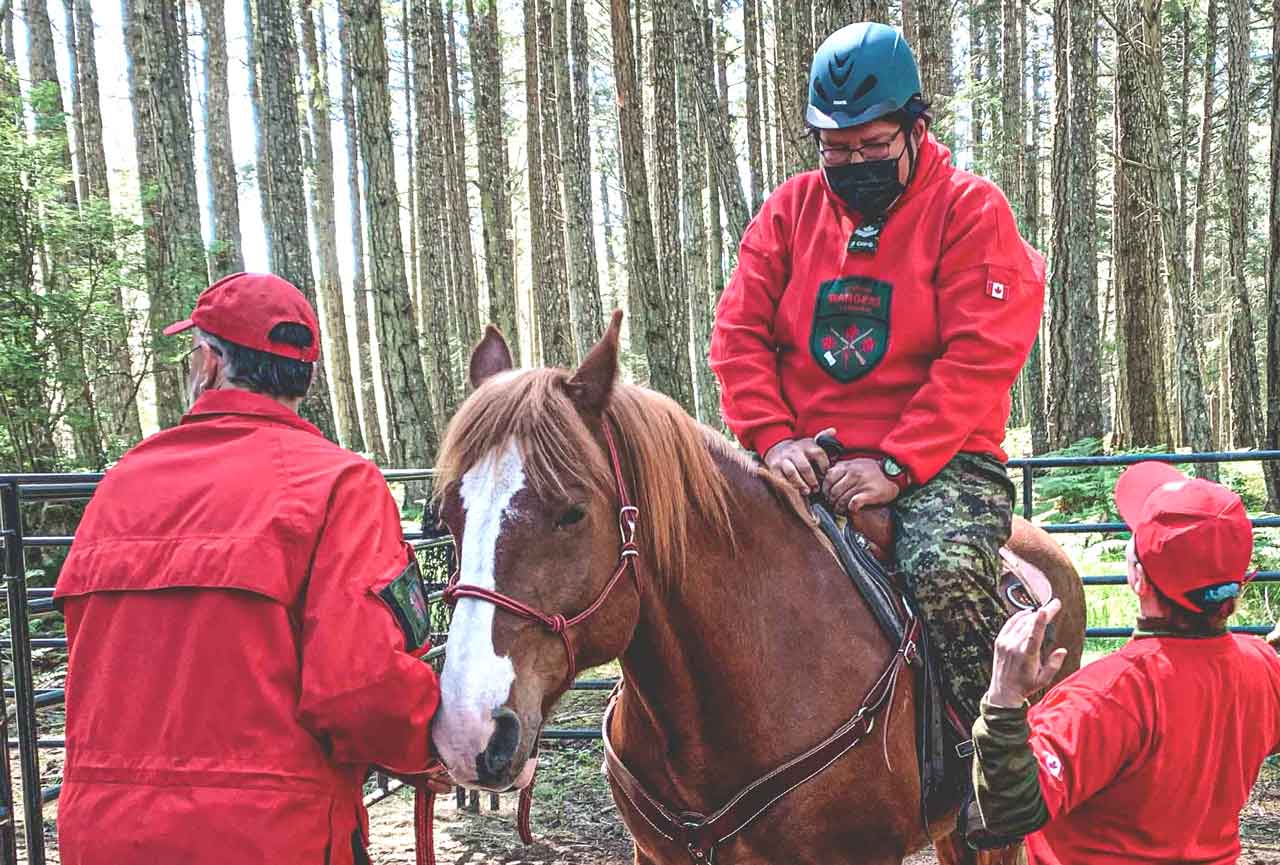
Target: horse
596,520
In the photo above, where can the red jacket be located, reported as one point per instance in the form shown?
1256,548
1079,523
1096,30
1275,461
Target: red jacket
909,351
1148,754
233,669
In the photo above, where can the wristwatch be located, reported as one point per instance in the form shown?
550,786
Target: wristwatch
895,472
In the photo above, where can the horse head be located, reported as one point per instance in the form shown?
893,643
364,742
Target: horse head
526,487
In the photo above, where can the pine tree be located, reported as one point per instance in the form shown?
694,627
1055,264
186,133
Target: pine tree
225,256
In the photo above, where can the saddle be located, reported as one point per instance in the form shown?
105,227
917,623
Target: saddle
863,545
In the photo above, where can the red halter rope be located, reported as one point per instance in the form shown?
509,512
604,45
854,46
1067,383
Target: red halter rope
557,623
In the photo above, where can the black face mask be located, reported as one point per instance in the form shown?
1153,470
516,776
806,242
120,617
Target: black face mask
870,187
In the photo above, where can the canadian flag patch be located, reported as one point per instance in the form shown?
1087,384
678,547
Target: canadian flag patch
996,289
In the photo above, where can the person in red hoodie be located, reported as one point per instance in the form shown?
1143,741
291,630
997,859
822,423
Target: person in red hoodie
243,618
888,297
1148,754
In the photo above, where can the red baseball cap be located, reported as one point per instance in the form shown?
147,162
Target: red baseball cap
1192,536
244,307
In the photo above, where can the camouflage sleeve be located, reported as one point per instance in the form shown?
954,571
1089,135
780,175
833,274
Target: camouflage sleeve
1006,777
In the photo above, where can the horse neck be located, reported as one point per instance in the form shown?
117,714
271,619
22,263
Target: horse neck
751,651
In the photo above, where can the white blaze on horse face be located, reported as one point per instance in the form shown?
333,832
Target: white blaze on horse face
476,680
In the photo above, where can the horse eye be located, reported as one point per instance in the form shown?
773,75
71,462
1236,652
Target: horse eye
573,515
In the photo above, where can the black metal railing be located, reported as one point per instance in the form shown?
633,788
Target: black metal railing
23,601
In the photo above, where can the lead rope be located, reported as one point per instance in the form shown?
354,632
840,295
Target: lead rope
424,806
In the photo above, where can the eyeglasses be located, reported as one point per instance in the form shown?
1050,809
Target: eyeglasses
869,152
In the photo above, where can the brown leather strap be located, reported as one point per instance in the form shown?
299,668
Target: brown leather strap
702,834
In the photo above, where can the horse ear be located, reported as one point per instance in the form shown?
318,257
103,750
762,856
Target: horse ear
490,356
591,384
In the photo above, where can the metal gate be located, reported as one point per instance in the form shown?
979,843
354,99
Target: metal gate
22,699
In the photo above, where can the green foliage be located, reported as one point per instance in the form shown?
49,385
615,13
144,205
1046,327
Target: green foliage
1073,494
62,267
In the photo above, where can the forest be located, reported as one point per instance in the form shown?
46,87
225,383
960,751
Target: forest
421,167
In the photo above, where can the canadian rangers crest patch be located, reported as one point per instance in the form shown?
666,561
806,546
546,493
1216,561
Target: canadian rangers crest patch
850,326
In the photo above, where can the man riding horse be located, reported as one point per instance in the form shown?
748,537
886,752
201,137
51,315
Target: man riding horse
888,297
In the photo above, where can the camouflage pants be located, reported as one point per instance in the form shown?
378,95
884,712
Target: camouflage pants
949,534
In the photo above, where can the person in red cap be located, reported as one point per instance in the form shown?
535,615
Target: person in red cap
243,618
1148,754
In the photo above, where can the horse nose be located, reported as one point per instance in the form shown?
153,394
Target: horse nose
493,763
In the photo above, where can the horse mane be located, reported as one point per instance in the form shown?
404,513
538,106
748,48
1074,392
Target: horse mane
669,457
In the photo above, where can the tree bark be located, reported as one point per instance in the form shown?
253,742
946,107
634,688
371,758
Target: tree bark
176,270
114,382
715,125
329,277
253,62
933,50
751,40
666,316
370,424
432,221
1075,345
283,193
495,201
225,255
411,430
1011,123
587,289
555,322
694,180
642,255
533,150
1246,394
1137,226
1193,419
446,44
1271,468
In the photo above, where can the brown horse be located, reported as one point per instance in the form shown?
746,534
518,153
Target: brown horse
742,642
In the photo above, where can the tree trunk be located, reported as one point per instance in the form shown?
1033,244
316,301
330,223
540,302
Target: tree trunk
751,38
411,175
1075,345
555,316
694,180
1193,419
667,337
933,50
253,61
1033,378
370,424
283,193
642,255
495,202
46,92
1246,394
1137,226
1271,468
77,108
1205,165
225,256
533,150
329,277
459,202
591,313
176,270
114,383
715,125
432,216
1011,123
410,425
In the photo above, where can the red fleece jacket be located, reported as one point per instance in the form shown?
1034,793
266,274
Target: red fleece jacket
908,351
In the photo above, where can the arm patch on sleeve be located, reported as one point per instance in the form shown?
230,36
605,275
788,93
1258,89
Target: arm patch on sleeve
408,603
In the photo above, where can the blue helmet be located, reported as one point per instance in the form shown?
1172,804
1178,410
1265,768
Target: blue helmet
860,73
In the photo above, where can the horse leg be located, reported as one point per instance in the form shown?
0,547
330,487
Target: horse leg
952,850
